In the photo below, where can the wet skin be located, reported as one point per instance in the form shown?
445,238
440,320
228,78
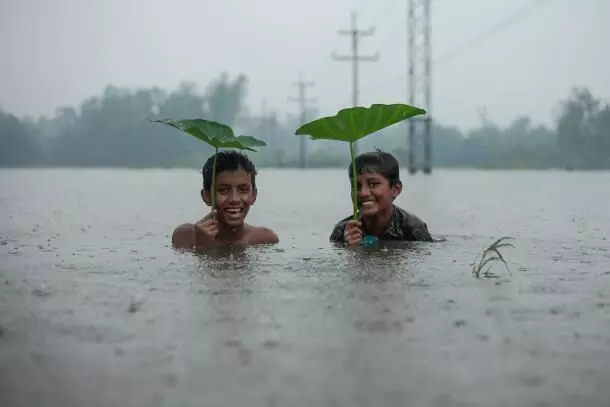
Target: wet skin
375,203
226,224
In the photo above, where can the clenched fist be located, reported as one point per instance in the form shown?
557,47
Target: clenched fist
353,233
207,227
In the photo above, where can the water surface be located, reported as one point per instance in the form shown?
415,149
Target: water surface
97,310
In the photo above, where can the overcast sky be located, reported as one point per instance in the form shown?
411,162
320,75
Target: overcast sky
58,52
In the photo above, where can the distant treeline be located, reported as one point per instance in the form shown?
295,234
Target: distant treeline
113,129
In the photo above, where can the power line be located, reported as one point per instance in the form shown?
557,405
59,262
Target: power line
386,10
473,41
487,34
355,57
399,24
381,16
302,100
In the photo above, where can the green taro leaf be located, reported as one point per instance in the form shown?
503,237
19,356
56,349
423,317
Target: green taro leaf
354,123
216,134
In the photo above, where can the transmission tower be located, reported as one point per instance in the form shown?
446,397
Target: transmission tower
302,100
355,57
420,78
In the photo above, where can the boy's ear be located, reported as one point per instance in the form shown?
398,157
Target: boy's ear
206,197
396,189
254,193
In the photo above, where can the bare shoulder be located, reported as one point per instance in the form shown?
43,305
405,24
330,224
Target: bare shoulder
184,236
263,235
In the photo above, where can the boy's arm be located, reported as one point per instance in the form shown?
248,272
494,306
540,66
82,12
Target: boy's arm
184,236
415,227
420,233
337,235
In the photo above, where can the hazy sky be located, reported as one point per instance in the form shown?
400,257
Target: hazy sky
58,52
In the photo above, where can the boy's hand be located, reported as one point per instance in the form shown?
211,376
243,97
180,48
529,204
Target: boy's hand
208,226
353,233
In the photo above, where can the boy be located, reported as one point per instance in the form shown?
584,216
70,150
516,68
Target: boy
378,185
235,193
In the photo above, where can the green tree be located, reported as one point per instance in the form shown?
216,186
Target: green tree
583,131
18,144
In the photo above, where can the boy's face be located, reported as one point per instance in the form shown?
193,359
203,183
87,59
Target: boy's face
234,196
375,194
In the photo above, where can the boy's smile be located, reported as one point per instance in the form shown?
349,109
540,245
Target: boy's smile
234,196
377,186
375,195
234,188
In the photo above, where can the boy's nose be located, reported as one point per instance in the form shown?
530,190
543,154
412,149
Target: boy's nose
363,191
233,197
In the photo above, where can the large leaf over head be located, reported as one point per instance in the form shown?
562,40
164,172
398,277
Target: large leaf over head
355,123
216,134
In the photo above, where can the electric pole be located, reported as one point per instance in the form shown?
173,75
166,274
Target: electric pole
420,78
265,124
355,57
268,125
302,100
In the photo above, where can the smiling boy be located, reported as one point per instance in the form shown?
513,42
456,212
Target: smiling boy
235,194
378,183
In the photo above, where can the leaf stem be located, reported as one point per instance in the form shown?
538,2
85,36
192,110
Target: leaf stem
214,180
354,187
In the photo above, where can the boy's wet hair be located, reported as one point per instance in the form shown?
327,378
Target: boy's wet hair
227,160
379,162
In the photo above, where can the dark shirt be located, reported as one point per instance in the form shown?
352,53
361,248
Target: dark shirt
403,226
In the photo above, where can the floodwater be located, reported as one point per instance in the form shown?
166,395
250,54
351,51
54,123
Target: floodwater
96,309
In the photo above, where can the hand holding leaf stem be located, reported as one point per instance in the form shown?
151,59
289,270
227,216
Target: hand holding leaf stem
353,233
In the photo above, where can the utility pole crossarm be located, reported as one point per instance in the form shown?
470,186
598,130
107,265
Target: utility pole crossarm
355,58
304,83
372,58
362,33
306,100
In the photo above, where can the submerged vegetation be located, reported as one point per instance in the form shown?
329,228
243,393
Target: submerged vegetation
490,255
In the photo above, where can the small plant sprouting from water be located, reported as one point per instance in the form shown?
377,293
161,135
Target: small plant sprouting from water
489,255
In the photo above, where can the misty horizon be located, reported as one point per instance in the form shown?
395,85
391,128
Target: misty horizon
63,53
